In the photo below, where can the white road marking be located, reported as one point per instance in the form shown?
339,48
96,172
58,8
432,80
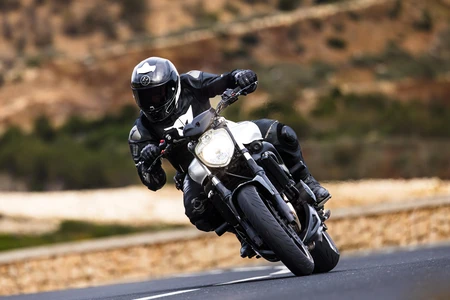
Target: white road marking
214,272
244,280
166,295
249,269
284,270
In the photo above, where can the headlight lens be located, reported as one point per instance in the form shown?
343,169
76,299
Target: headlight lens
215,148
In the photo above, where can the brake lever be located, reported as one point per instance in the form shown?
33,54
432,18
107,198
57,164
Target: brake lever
164,148
231,96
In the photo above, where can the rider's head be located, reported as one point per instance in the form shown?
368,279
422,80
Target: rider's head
156,88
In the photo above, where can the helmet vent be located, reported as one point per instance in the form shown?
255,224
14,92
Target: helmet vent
146,68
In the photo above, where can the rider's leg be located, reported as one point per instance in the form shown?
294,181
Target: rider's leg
198,208
286,142
202,213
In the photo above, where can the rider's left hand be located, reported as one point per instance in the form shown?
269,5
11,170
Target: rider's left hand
245,78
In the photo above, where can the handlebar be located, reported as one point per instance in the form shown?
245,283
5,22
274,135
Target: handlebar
231,95
235,93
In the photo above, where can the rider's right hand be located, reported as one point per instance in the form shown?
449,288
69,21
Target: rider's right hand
149,154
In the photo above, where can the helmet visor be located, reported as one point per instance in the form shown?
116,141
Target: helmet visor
157,102
155,97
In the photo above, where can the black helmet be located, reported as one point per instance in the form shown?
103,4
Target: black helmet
156,88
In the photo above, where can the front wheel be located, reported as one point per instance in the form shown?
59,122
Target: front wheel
296,258
325,253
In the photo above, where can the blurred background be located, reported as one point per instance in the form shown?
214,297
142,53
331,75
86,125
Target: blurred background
365,84
367,90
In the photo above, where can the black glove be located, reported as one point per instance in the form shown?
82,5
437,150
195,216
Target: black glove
179,179
149,154
244,78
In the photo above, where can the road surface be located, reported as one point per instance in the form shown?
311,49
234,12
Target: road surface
422,273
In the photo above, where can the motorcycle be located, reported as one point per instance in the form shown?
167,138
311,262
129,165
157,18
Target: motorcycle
246,180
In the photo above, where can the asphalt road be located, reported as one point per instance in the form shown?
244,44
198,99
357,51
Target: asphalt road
422,273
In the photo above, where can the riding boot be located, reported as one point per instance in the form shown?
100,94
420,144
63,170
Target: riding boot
246,249
300,172
286,142
321,193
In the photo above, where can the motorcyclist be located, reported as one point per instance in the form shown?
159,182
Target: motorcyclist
168,101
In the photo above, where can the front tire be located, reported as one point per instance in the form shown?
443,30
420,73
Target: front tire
326,255
272,233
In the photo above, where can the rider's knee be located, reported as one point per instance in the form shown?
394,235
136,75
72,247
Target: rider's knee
278,134
201,213
287,136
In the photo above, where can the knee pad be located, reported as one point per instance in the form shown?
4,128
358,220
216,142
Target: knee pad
287,135
202,213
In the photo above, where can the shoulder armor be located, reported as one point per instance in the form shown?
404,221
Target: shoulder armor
135,134
139,133
195,74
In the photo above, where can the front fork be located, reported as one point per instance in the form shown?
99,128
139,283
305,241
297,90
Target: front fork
224,202
298,195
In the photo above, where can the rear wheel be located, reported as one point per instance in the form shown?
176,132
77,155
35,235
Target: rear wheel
325,254
295,257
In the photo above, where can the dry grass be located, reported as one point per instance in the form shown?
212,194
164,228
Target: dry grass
137,206
369,192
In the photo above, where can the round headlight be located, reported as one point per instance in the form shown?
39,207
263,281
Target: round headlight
215,148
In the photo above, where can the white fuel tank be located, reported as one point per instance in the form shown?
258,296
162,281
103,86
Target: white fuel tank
245,132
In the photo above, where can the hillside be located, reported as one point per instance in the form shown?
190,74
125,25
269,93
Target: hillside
364,83
342,44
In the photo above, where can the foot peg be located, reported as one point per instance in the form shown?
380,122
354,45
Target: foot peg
324,214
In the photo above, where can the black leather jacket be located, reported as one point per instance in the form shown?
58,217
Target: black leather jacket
196,89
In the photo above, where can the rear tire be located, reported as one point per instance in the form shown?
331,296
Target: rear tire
272,233
326,255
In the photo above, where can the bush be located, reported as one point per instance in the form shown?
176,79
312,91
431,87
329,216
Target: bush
353,16
250,39
9,5
336,43
360,115
425,23
288,5
135,13
239,53
6,28
316,24
60,5
43,129
33,61
397,63
72,25
394,13
98,19
203,18
20,43
81,154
